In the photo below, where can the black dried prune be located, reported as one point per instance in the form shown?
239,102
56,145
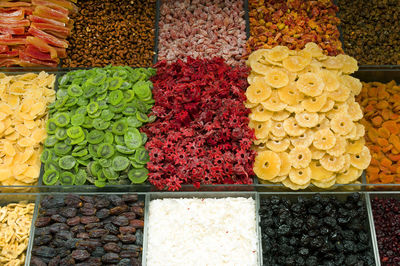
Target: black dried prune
127,230
68,212
73,221
65,235
44,251
128,238
89,219
110,258
103,213
87,211
112,247
73,201
95,233
80,254
57,227
42,221
42,240
120,221
58,218
119,209
98,252
130,197
109,238
111,228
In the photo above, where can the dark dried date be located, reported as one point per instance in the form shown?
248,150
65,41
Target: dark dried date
74,221
129,215
83,235
112,228
128,238
119,209
129,254
127,229
130,197
95,233
87,211
137,210
89,219
68,212
120,221
137,223
103,213
58,218
80,254
112,247
109,238
57,227
93,225
110,258
42,221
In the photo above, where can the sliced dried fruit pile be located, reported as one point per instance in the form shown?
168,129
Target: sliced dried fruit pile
24,101
201,135
305,117
386,213
293,24
89,230
381,106
93,130
315,231
34,32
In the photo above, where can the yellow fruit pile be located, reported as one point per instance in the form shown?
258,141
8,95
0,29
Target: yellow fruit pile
305,117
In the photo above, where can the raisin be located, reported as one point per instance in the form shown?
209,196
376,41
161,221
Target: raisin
58,218
120,220
127,229
80,254
110,258
87,211
68,212
74,221
128,238
42,221
103,213
137,223
44,251
119,209
112,247
89,219
95,233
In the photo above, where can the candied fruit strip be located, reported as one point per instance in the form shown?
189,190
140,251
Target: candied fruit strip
13,31
50,39
58,31
14,4
37,19
27,59
42,46
15,24
47,12
54,6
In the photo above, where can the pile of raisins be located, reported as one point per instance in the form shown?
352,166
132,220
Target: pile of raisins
315,231
89,230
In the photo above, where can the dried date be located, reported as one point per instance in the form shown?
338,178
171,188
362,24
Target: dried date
93,225
42,221
95,233
73,201
112,247
111,228
103,213
44,251
42,240
80,254
74,221
129,215
137,223
89,219
110,258
129,254
120,220
83,235
116,200
127,229
68,212
119,209
130,197
58,218
137,210
109,238
57,227
87,211
128,238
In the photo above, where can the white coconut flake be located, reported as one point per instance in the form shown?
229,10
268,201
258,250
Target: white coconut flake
202,232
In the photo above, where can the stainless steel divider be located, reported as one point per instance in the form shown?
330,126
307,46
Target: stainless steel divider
372,228
32,232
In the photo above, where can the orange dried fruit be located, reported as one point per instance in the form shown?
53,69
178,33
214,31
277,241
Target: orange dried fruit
324,139
383,132
300,176
258,91
342,124
310,84
307,119
318,172
292,128
332,163
314,104
300,157
304,140
395,140
391,126
361,160
267,165
274,103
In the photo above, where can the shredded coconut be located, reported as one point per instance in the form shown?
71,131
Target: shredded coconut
202,232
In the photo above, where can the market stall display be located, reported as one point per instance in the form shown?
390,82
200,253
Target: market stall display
24,105
305,117
93,230
93,130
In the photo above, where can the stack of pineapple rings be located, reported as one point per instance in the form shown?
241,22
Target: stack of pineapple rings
305,117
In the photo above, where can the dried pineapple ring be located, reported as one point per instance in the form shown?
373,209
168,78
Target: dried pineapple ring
323,123
349,176
261,129
278,145
250,105
331,80
355,146
273,137
353,133
253,77
276,78
260,114
304,140
340,95
310,84
277,129
300,176
260,141
256,56
318,172
360,131
328,106
346,164
325,184
280,116
286,164
338,108
354,110
295,63
300,157
267,165
279,178
332,63
307,119
290,95
339,148
292,128
278,53
332,163
298,108
352,83
274,103
349,63
324,139
313,49
361,160
314,104
259,67
316,154
342,124
287,183
258,91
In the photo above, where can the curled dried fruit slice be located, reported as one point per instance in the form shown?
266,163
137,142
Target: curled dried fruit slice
323,123
332,63
332,163
324,139
342,124
361,160
292,128
274,103
352,83
267,165
307,119
259,68
304,140
290,95
313,49
50,177
354,110
360,131
296,63
324,184
338,108
300,176
278,145
316,154
341,94
119,163
277,129
277,179
258,91
314,104
286,165
278,53
349,63
300,157
250,105
339,148
280,116
355,146
261,129
330,79
328,106
310,84
260,114
288,183
349,176
298,108
318,172
276,78
253,77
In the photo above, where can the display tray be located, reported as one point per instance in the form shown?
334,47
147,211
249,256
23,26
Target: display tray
147,197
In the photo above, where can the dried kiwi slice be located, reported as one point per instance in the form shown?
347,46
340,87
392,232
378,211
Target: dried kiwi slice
61,148
129,110
78,119
105,150
67,162
106,115
95,136
50,141
46,155
61,133
115,97
100,124
92,108
80,153
133,138
82,102
51,165
80,178
142,156
75,132
129,95
124,149
50,177
110,174
118,108
67,179
120,127
78,141
51,126
114,83
89,91
105,163
108,137
95,168
120,163
71,102
61,119
134,122
119,140
142,117
93,149
99,183
74,90
138,175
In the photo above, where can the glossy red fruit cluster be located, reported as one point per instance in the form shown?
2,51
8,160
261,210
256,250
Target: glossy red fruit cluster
387,225
201,134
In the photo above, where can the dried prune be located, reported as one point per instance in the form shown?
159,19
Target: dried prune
109,238
89,219
127,229
58,218
112,247
44,251
128,238
137,223
110,258
74,221
103,213
120,220
68,212
42,221
119,209
80,254
87,211
57,227
95,233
